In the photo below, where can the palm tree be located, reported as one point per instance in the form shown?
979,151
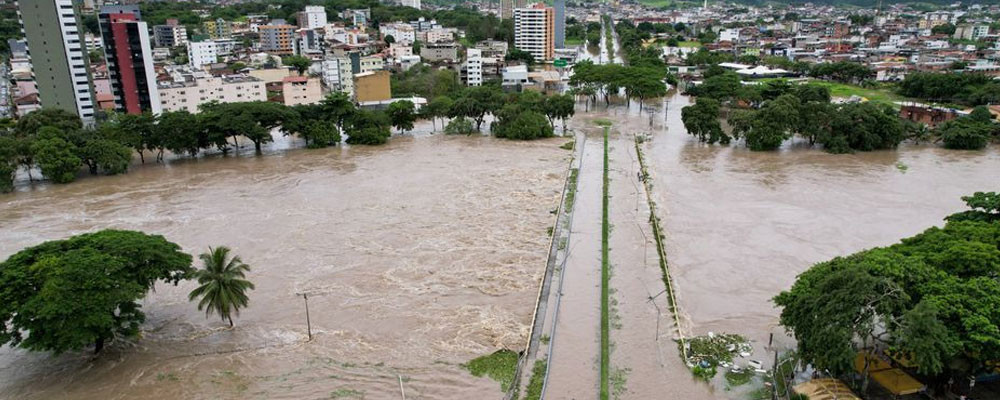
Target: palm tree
223,289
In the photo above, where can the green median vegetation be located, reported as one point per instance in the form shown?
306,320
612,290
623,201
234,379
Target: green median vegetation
500,366
605,282
534,389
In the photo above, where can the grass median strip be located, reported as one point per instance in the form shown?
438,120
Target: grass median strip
605,277
658,235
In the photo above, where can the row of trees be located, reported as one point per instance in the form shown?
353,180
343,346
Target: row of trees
931,299
529,115
57,143
768,118
786,111
65,295
963,88
638,82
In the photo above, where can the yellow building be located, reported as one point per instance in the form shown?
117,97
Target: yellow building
372,86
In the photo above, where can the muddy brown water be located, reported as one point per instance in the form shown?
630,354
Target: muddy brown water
741,225
417,256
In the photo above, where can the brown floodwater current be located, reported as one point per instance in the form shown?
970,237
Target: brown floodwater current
417,256
425,253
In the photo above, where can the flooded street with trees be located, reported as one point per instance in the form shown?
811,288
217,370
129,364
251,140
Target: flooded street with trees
416,256
741,225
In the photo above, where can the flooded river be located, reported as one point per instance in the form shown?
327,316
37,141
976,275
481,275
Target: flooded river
417,256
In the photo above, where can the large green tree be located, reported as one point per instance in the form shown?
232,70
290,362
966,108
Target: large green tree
368,127
559,106
56,157
931,298
8,162
437,108
402,114
702,120
299,63
65,295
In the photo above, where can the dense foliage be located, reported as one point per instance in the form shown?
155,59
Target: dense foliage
57,143
520,118
779,111
964,88
970,132
932,298
64,295
639,81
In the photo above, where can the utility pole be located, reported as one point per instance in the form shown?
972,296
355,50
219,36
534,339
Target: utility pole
305,297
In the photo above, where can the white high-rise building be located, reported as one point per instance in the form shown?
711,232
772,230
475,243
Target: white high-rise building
337,74
55,44
534,30
410,3
401,33
204,53
472,70
313,17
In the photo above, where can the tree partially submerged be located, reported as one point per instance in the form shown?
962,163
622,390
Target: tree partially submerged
222,288
931,299
65,295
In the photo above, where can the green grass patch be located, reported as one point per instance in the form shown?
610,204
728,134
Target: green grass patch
704,373
735,379
573,42
347,394
499,366
657,3
872,94
602,122
605,278
568,145
534,389
689,43
571,190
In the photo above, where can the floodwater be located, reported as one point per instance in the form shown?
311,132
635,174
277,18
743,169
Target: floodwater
741,225
417,256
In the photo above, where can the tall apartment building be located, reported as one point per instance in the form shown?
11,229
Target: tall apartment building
534,30
560,7
218,29
410,3
202,53
338,74
277,38
58,58
129,58
507,7
472,69
170,35
971,32
312,17
401,33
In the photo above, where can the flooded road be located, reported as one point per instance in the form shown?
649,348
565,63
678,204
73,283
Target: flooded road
741,225
417,256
